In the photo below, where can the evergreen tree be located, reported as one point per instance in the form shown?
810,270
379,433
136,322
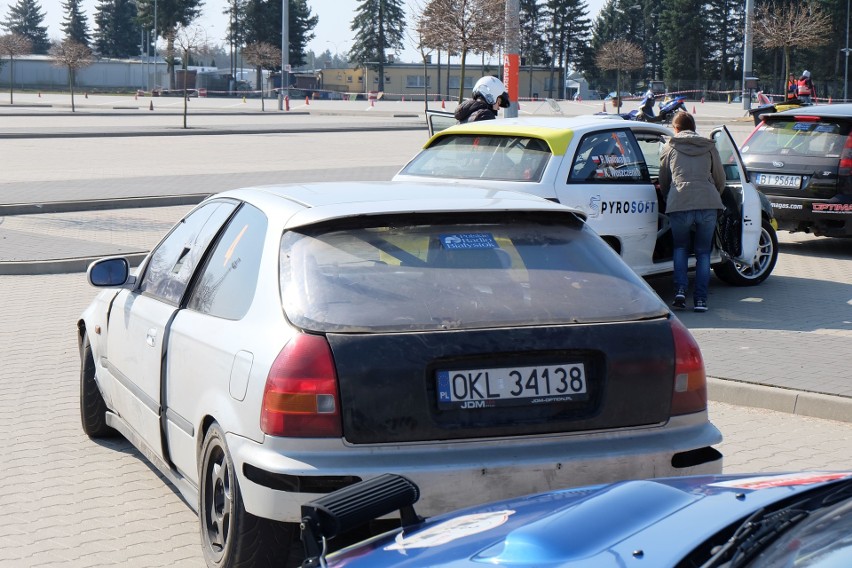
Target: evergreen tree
262,23
117,31
567,34
684,33
171,15
379,26
25,18
533,46
724,28
75,26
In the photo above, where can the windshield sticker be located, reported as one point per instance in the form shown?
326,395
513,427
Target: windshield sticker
803,126
787,480
448,531
468,241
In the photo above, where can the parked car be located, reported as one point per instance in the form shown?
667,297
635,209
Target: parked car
731,521
609,169
282,342
802,160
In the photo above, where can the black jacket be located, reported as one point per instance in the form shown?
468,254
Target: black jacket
473,110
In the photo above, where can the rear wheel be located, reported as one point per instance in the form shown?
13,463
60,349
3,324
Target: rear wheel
741,274
93,409
230,536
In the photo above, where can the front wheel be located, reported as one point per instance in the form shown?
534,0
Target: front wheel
93,409
741,274
231,536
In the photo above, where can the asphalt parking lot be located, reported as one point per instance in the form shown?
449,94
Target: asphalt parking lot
72,502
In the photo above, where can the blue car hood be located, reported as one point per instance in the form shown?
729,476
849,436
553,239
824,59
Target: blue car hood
633,523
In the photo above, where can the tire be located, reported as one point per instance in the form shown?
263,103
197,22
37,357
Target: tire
738,274
93,409
230,536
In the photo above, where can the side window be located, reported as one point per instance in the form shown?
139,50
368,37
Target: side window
229,278
175,258
726,153
611,156
651,147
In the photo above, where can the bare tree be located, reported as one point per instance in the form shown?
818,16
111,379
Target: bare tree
424,45
785,26
262,56
618,55
73,56
12,46
186,40
464,26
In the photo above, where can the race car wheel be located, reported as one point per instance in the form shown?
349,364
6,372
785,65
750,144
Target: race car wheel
741,274
230,536
93,409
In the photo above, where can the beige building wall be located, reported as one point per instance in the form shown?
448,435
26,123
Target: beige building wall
407,80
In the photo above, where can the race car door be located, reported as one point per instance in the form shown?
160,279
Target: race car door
608,178
744,194
137,340
439,120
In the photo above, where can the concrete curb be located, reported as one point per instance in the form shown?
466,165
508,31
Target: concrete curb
801,403
59,266
10,209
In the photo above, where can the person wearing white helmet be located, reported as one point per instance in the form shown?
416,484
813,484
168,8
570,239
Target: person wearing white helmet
805,90
489,96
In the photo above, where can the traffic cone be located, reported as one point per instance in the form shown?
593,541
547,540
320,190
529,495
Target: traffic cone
307,101
39,94
151,105
244,100
287,103
87,95
693,109
604,106
829,100
372,102
403,98
443,104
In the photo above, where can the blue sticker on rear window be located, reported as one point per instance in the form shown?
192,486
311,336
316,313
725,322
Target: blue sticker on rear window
826,128
468,241
803,126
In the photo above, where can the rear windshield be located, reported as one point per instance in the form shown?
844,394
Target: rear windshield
407,277
798,138
505,158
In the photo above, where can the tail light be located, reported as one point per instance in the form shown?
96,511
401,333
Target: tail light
690,383
300,398
846,158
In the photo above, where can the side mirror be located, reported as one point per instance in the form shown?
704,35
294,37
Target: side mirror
108,272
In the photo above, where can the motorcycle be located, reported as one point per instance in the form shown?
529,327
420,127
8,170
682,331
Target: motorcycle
668,108
645,113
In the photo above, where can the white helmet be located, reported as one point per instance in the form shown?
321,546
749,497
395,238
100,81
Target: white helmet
489,88
806,73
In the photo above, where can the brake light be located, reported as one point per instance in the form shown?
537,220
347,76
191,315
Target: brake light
300,399
690,382
807,118
846,158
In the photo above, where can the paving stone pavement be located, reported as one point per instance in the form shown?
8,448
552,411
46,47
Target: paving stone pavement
68,501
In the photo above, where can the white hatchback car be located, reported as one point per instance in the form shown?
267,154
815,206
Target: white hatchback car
283,342
608,168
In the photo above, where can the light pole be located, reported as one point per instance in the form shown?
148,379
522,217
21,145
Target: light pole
846,52
155,44
285,52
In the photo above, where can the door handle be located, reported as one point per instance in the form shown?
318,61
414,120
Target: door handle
151,337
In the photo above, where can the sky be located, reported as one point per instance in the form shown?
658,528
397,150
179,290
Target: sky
332,31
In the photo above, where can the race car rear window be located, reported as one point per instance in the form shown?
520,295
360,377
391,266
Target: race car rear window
469,156
411,275
798,138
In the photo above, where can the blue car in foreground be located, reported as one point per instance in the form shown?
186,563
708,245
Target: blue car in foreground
774,520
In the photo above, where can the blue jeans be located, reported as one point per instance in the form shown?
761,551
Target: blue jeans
682,222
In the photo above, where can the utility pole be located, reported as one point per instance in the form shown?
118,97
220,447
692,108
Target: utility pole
512,57
747,45
285,53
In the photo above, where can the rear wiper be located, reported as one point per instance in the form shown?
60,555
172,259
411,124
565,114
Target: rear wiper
764,526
